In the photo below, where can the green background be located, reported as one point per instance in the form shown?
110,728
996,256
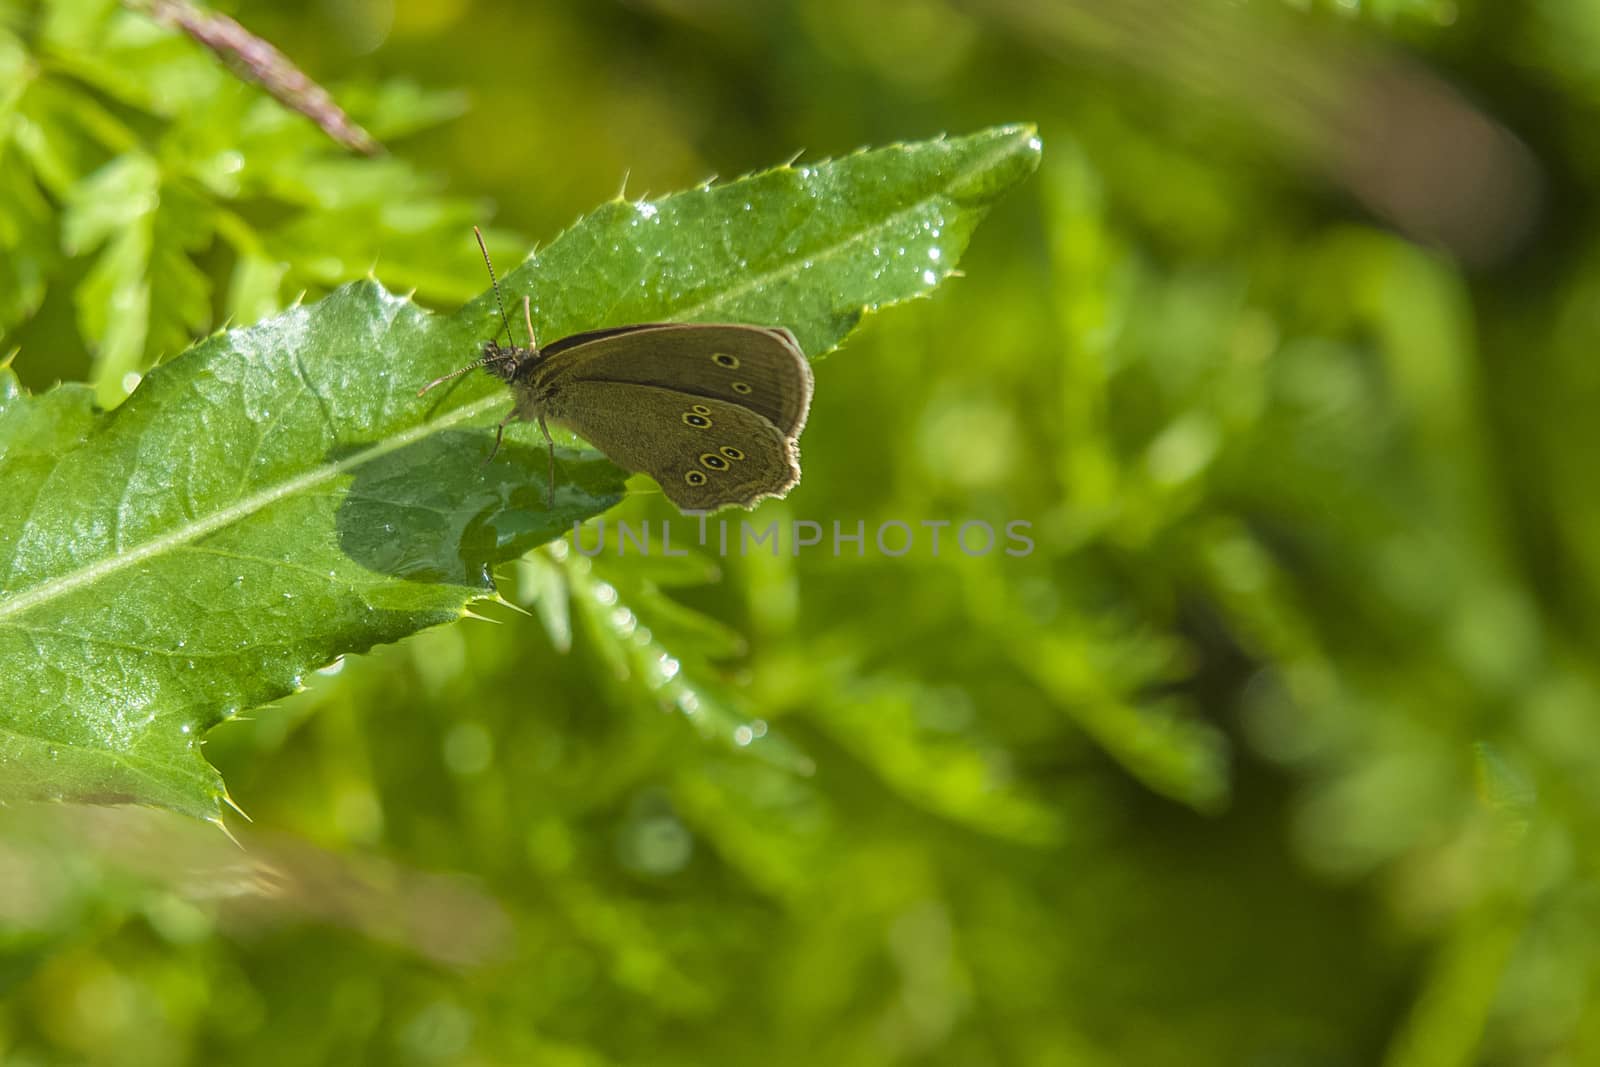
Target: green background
1280,748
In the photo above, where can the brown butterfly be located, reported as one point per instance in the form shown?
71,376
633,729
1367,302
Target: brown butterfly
712,411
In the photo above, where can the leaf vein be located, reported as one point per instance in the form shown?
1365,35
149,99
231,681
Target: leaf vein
796,265
51,588
127,759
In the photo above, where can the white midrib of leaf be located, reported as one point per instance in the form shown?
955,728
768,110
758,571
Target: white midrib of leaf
51,588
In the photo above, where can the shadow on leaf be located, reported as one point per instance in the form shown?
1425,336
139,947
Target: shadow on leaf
433,511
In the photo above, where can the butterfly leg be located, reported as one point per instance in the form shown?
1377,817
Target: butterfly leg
527,317
551,445
499,434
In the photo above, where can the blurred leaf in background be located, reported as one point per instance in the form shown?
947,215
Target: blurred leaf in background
1279,747
181,198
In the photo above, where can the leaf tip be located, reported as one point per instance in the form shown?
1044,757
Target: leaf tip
216,820
1025,134
227,798
513,605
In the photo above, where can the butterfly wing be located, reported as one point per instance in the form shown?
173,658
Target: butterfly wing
707,453
760,368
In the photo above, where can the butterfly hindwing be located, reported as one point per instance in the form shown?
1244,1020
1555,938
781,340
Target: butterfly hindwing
707,453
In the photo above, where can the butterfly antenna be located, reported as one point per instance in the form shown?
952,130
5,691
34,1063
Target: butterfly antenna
474,365
495,282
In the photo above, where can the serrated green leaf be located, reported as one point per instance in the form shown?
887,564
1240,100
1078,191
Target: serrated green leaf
114,306
877,719
64,133
810,246
26,243
278,495
253,291
181,300
259,506
397,109
144,297
662,649
110,200
140,62
542,585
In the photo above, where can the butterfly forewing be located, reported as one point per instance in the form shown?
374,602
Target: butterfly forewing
759,368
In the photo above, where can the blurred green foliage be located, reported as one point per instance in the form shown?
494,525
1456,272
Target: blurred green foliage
1281,747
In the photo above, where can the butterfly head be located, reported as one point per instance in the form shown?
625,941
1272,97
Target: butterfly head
509,361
